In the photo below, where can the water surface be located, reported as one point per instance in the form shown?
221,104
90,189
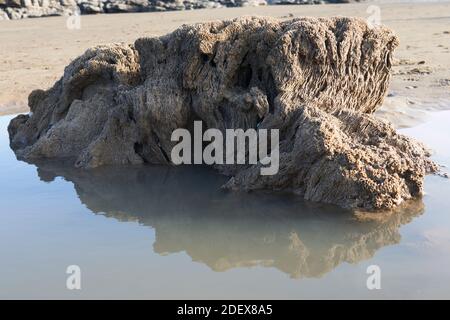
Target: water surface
158,232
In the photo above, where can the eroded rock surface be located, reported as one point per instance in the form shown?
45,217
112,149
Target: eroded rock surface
19,9
317,80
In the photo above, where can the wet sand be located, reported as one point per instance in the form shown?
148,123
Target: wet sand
34,52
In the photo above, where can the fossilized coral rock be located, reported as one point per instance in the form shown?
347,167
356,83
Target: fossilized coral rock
314,79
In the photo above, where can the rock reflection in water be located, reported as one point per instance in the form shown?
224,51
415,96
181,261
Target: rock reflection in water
223,230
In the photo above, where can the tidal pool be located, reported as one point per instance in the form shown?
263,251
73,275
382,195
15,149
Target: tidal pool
159,232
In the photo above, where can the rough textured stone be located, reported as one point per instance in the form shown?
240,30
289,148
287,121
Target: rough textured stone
315,79
3,15
19,9
91,6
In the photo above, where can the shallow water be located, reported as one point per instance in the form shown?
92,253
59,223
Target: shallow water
155,232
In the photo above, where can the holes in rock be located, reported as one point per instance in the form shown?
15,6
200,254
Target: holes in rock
244,76
138,148
204,57
259,74
413,187
131,116
271,91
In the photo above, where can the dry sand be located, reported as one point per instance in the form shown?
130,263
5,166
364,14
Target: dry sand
34,52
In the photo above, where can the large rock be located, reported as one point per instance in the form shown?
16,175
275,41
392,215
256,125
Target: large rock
19,9
3,15
316,80
91,6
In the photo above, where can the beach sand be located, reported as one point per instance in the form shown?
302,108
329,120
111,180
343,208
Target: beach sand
34,52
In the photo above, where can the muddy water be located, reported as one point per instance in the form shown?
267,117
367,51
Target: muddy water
155,232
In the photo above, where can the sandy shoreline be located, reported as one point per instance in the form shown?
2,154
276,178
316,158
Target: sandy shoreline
35,51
